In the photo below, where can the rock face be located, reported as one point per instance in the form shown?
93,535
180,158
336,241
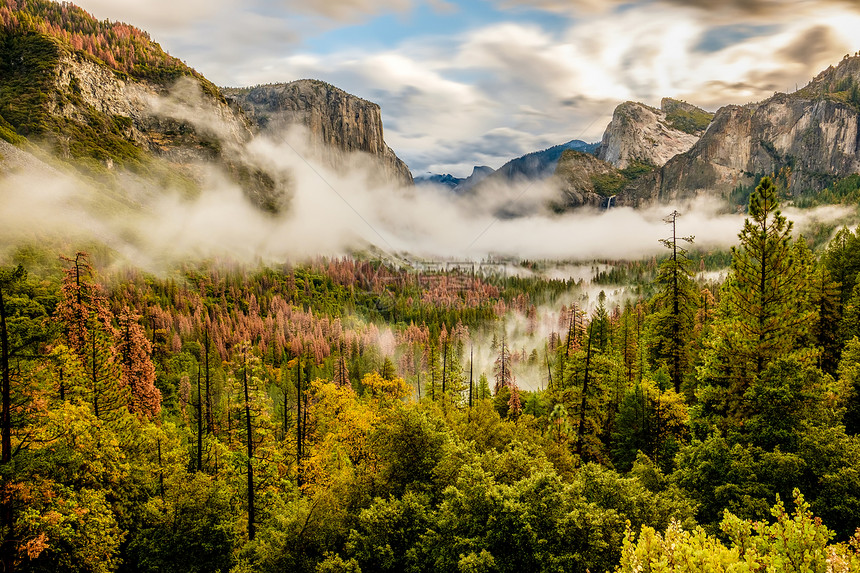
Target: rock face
812,132
585,180
641,134
165,122
337,122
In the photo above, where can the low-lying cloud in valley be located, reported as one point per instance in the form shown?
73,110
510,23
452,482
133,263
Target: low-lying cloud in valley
334,212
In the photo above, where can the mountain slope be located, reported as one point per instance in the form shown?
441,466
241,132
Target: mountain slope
457,184
539,164
107,100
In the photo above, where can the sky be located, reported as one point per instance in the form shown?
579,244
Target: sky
478,82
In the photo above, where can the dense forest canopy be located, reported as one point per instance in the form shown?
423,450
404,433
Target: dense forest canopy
343,415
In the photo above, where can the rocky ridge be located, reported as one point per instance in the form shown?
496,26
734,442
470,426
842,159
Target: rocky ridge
146,113
585,181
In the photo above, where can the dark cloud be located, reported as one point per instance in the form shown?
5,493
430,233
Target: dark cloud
812,47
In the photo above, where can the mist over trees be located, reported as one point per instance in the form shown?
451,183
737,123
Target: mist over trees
344,415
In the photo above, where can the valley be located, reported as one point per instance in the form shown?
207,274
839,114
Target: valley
239,333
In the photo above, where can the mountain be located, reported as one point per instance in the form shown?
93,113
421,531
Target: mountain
337,122
539,164
642,134
456,184
811,137
104,98
584,180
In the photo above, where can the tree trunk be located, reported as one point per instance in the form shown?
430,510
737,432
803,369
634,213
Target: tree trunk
7,386
199,423
471,370
7,515
250,441
299,429
206,343
580,431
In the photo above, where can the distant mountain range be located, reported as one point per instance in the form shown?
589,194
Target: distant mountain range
532,166
456,184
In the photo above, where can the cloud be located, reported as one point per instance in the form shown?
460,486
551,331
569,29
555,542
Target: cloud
161,15
349,10
734,9
445,96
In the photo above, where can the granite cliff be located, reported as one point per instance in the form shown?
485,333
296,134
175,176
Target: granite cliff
337,122
104,98
642,134
812,136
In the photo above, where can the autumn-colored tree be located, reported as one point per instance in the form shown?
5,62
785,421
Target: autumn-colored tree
138,371
82,304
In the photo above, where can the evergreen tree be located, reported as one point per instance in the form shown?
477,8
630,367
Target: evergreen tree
765,310
676,302
502,367
767,283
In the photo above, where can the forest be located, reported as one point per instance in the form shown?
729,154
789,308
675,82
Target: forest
348,415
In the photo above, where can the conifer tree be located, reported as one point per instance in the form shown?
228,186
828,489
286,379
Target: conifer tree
766,285
677,302
765,312
502,367
341,370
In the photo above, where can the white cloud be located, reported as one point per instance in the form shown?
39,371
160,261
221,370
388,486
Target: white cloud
446,98
347,10
160,15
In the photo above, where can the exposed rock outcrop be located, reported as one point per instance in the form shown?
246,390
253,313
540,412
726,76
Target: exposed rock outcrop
814,132
337,122
642,134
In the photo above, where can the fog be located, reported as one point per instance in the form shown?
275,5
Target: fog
339,211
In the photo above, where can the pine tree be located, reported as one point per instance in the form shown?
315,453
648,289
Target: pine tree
502,367
81,304
676,302
764,313
766,286
341,371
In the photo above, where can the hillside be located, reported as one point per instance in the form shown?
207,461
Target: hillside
538,164
106,99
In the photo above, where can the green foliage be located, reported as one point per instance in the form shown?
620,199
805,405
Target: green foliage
607,184
794,542
692,121
845,190
365,476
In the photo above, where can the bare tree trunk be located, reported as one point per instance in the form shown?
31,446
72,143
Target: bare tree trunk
250,441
